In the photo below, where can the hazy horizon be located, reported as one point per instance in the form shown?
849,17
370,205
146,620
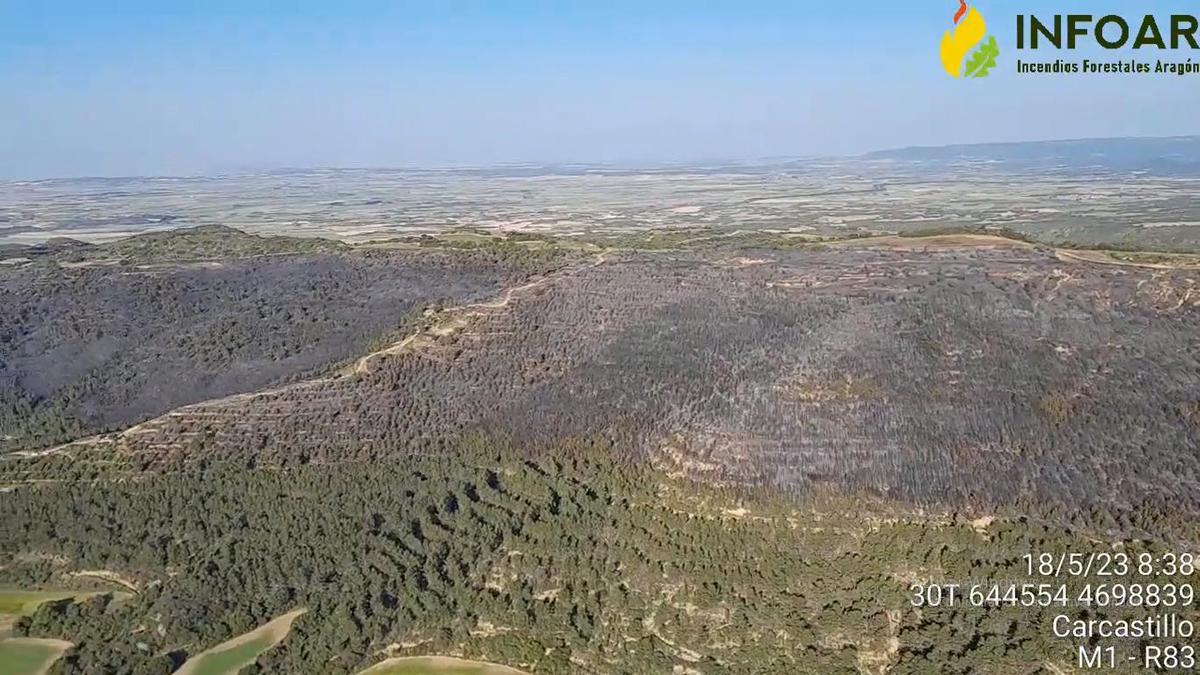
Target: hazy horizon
617,165
195,88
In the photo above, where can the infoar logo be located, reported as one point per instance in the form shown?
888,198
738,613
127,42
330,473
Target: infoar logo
970,32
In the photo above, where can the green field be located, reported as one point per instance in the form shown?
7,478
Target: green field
22,603
233,659
27,656
437,665
17,603
231,656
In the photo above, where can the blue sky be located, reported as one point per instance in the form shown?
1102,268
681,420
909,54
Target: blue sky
125,88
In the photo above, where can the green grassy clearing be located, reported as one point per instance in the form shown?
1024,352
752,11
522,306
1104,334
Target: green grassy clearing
233,655
28,656
233,659
22,603
438,665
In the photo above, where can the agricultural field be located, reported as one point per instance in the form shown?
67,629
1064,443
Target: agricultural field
231,656
30,656
437,665
19,603
1121,193
16,603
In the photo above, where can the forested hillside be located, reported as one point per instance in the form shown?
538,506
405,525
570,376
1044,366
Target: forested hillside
561,563
858,369
571,459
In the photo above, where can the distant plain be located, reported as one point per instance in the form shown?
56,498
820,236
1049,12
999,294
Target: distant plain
1125,193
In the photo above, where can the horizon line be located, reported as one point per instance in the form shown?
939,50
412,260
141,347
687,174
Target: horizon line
590,164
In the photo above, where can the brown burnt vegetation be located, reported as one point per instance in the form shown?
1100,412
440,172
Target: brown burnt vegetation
908,375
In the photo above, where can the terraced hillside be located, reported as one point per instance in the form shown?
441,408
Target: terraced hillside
899,373
140,326
728,460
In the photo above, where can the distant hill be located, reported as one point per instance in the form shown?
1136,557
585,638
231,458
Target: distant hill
1165,156
54,246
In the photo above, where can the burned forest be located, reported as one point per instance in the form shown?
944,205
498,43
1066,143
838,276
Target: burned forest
567,456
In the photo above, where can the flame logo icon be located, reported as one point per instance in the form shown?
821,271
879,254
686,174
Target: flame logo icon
969,32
